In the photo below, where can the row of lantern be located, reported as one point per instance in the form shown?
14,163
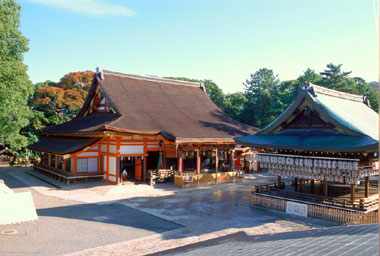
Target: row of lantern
331,176
310,170
307,176
308,162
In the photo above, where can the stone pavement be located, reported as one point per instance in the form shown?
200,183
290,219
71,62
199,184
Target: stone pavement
345,240
205,212
65,226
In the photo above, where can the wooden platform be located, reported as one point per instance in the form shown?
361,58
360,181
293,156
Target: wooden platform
64,178
191,179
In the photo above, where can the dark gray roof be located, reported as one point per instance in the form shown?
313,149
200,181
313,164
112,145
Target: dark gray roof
90,123
62,145
151,105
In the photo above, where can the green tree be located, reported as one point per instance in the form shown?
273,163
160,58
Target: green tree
258,90
15,87
310,76
234,105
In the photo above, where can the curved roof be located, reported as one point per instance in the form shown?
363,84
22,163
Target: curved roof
350,124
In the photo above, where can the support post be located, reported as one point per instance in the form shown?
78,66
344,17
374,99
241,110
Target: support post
295,183
325,187
180,162
312,186
366,192
164,159
144,167
117,170
353,192
279,182
301,185
198,162
216,160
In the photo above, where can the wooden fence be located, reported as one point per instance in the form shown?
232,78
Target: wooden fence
362,204
347,217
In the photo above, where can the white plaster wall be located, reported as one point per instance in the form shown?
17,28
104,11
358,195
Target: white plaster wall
112,165
103,148
88,154
112,178
131,150
112,149
92,164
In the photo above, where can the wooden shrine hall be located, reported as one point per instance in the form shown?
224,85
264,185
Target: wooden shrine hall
137,128
327,143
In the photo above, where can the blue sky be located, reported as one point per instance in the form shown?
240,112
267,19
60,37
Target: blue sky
221,40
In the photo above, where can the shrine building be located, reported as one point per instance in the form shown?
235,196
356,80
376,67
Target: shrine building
326,142
153,128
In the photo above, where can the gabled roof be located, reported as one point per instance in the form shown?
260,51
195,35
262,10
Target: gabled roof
151,105
342,122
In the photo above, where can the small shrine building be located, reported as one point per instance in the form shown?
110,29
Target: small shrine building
327,143
146,126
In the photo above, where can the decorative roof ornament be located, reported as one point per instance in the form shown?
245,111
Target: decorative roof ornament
99,73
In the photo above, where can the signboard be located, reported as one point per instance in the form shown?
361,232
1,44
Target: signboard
296,208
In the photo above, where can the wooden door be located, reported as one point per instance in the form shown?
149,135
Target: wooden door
138,169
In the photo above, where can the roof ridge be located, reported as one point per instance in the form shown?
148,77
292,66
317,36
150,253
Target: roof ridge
150,78
335,93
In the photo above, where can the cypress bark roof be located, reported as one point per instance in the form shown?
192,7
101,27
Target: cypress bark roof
321,119
62,145
150,105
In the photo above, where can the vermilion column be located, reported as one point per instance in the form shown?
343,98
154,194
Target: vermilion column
198,162
180,162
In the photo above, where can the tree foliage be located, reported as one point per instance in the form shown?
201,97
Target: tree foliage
15,87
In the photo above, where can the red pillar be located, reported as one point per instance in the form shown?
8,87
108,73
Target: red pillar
216,160
198,162
180,162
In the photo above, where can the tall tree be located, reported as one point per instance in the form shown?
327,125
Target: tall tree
15,87
258,90
309,75
234,105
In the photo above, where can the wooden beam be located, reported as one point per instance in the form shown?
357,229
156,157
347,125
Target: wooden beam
325,187
353,192
301,185
312,186
366,192
279,182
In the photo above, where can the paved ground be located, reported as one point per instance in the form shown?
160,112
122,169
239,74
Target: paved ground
67,226
105,218
354,240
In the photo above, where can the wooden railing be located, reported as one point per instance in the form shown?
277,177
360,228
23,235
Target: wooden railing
347,217
159,175
364,205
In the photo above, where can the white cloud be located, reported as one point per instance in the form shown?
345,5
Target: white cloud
89,7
